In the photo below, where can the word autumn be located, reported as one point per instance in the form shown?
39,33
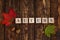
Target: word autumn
34,20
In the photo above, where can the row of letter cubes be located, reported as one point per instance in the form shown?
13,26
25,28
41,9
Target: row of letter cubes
34,20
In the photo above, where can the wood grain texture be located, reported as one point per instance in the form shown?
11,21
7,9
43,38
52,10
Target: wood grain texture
30,9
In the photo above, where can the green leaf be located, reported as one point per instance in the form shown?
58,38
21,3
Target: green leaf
49,30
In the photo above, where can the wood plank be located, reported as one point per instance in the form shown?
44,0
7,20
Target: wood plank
31,15
1,26
54,13
24,14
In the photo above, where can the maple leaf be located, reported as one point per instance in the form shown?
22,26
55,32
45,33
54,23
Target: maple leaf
12,13
8,17
50,29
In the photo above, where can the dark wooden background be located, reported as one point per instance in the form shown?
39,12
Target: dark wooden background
30,8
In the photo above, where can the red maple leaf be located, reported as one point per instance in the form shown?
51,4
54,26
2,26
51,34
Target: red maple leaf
12,13
8,17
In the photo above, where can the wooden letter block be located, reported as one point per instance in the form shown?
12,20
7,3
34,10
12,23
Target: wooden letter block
17,20
38,20
44,20
25,20
31,20
51,20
